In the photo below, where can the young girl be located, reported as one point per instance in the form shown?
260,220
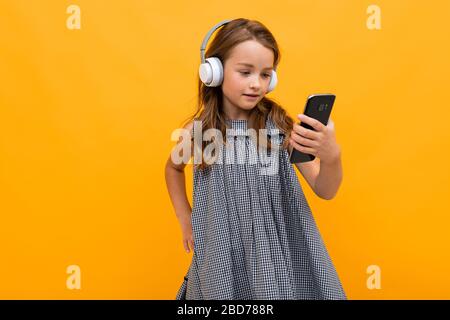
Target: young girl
254,234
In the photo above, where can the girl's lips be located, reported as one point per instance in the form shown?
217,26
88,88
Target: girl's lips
251,97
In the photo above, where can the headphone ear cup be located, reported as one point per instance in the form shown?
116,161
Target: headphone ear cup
273,81
211,72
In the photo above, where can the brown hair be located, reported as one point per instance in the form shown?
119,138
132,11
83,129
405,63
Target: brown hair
209,103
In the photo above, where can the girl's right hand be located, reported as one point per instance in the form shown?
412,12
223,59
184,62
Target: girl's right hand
186,229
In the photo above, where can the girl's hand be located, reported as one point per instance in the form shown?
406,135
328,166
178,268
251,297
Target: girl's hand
186,229
320,143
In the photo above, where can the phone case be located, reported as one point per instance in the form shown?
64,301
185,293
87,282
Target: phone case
318,106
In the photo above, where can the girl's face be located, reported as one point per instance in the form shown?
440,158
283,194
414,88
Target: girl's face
247,71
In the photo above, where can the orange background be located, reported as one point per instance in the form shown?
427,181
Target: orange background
86,117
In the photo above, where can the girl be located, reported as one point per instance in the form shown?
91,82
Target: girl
255,236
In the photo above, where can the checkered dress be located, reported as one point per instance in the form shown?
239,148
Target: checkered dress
254,235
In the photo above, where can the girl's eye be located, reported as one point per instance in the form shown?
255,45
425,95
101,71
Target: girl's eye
246,73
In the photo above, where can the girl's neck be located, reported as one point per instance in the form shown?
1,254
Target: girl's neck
233,112
239,119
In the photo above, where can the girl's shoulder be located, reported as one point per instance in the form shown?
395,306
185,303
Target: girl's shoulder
190,127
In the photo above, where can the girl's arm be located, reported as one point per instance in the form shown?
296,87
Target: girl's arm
329,178
323,178
176,186
175,181
310,171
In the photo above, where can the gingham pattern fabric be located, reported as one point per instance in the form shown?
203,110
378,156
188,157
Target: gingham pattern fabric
254,234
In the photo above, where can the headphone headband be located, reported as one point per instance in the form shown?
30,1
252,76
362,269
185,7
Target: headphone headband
208,35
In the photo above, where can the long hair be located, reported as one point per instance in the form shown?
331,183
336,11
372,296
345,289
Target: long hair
209,103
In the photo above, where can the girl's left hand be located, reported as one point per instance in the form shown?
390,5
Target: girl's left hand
320,143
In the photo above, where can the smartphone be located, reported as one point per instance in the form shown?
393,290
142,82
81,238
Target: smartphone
318,106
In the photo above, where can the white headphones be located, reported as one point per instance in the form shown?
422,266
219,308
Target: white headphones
211,69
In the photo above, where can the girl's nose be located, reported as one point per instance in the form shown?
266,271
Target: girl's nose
255,84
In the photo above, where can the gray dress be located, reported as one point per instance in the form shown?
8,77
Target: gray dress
254,234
